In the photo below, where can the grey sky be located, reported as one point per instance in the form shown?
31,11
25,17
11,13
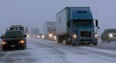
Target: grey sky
33,13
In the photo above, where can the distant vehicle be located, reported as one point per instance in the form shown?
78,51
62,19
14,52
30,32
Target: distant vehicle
108,35
13,39
35,33
50,30
75,26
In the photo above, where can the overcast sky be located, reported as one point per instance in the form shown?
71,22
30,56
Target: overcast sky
33,13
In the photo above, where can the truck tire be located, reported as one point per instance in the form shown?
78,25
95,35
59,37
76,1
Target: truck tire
73,44
25,46
67,43
3,49
58,39
95,44
109,41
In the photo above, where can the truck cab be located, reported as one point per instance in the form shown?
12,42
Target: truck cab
82,31
76,26
82,26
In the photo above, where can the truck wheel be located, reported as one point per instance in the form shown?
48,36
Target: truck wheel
22,47
95,44
25,46
73,44
3,49
59,39
109,41
67,43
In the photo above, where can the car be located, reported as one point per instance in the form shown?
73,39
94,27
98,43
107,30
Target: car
13,39
108,35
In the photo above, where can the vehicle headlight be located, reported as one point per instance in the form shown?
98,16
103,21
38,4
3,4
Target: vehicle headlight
75,36
55,37
21,42
3,43
28,35
110,35
38,36
96,36
43,36
50,35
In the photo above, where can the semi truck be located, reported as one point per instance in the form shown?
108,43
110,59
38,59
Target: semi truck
76,26
49,29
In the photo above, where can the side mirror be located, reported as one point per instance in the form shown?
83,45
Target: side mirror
98,27
2,36
96,22
25,35
68,24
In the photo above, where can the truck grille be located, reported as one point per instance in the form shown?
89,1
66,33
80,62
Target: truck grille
85,33
12,42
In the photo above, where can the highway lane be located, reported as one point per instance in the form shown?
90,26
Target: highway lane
45,51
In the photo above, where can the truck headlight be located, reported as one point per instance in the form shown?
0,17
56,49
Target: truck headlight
38,36
43,36
21,42
96,36
55,37
50,35
28,35
110,35
74,36
4,43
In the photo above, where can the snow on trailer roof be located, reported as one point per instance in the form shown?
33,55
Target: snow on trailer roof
17,26
79,8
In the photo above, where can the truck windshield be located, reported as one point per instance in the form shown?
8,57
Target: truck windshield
112,31
17,28
83,23
13,34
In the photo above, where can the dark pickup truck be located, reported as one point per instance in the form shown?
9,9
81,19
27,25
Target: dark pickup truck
13,39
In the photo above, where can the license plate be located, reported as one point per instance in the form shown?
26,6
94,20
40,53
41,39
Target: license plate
12,45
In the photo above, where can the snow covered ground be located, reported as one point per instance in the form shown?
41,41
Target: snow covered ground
44,51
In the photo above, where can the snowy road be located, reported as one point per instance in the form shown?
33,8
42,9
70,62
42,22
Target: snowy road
44,51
